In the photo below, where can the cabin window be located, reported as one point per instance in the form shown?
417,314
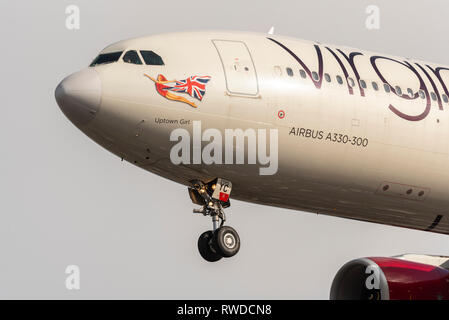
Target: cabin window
151,58
434,96
302,73
339,80
351,82
327,77
375,86
289,72
386,87
445,98
410,92
363,84
422,94
315,76
132,57
106,58
398,90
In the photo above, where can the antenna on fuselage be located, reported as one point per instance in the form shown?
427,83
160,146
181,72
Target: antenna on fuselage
271,31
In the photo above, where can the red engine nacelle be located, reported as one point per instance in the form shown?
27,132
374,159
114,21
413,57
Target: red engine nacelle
390,279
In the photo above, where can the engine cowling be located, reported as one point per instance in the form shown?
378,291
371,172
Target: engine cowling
390,279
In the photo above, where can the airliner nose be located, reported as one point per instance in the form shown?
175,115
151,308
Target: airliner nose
79,96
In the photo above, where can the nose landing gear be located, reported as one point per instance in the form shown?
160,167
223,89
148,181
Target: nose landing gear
213,197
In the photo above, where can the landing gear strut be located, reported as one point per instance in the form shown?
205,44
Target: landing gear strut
223,241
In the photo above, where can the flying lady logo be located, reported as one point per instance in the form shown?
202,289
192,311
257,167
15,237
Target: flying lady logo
195,86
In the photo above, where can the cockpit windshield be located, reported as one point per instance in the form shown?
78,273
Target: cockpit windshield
151,58
132,57
104,58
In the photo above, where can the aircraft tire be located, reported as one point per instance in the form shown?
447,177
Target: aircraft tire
205,247
226,241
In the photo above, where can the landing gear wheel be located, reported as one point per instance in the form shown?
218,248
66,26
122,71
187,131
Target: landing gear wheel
213,197
205,247
226,241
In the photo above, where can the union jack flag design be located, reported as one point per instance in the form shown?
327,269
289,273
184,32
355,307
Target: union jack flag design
195,86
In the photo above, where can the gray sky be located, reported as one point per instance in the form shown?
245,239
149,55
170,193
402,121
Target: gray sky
65,200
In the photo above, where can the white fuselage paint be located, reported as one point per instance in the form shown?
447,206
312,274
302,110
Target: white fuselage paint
402,147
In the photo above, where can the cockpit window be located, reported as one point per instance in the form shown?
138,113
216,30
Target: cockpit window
106,58
132,57
151,58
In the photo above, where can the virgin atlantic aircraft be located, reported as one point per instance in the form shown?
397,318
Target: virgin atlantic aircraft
282,122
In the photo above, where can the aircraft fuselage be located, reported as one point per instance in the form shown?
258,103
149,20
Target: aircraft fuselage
357,134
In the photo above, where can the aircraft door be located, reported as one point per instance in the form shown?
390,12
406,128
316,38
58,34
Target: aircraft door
238,67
